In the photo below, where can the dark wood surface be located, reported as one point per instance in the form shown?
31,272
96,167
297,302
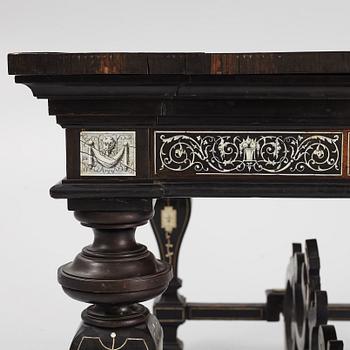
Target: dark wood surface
305,306
169,223
114,274
55,63
298,102
152,104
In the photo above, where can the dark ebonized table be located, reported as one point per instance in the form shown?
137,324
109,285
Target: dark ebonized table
172,126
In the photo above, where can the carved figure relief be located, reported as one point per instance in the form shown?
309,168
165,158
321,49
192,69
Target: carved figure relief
107,153
246,153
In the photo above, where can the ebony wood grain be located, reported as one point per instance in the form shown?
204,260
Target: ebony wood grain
113,274
169,225
155,89
305,305
55,63
188,93
281,188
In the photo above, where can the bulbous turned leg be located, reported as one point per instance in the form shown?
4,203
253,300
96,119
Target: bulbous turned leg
114,274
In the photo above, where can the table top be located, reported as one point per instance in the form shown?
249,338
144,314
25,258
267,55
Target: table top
194,63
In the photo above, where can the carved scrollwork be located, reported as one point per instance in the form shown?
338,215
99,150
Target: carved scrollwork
306,305
285,153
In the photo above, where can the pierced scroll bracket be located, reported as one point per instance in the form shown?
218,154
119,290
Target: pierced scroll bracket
305,306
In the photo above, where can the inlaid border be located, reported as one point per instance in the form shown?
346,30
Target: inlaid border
203,147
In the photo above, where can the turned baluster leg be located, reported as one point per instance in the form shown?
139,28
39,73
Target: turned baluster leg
169,225
114,274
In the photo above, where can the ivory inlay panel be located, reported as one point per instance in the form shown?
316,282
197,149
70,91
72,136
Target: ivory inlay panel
293,153
107,153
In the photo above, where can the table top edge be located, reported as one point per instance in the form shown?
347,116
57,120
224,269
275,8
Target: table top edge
185,63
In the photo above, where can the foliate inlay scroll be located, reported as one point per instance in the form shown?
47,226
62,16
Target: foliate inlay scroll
107,153
246,153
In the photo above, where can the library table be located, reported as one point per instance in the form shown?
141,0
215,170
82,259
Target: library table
172,126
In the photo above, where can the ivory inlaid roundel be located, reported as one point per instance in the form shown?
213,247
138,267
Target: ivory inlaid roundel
294,153
107,153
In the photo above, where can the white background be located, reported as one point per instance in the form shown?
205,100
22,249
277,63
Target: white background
234,249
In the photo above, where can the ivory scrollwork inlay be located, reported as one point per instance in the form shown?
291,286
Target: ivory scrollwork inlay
268,153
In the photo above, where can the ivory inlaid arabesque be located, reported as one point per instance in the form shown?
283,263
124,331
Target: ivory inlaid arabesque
294,153
107,153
